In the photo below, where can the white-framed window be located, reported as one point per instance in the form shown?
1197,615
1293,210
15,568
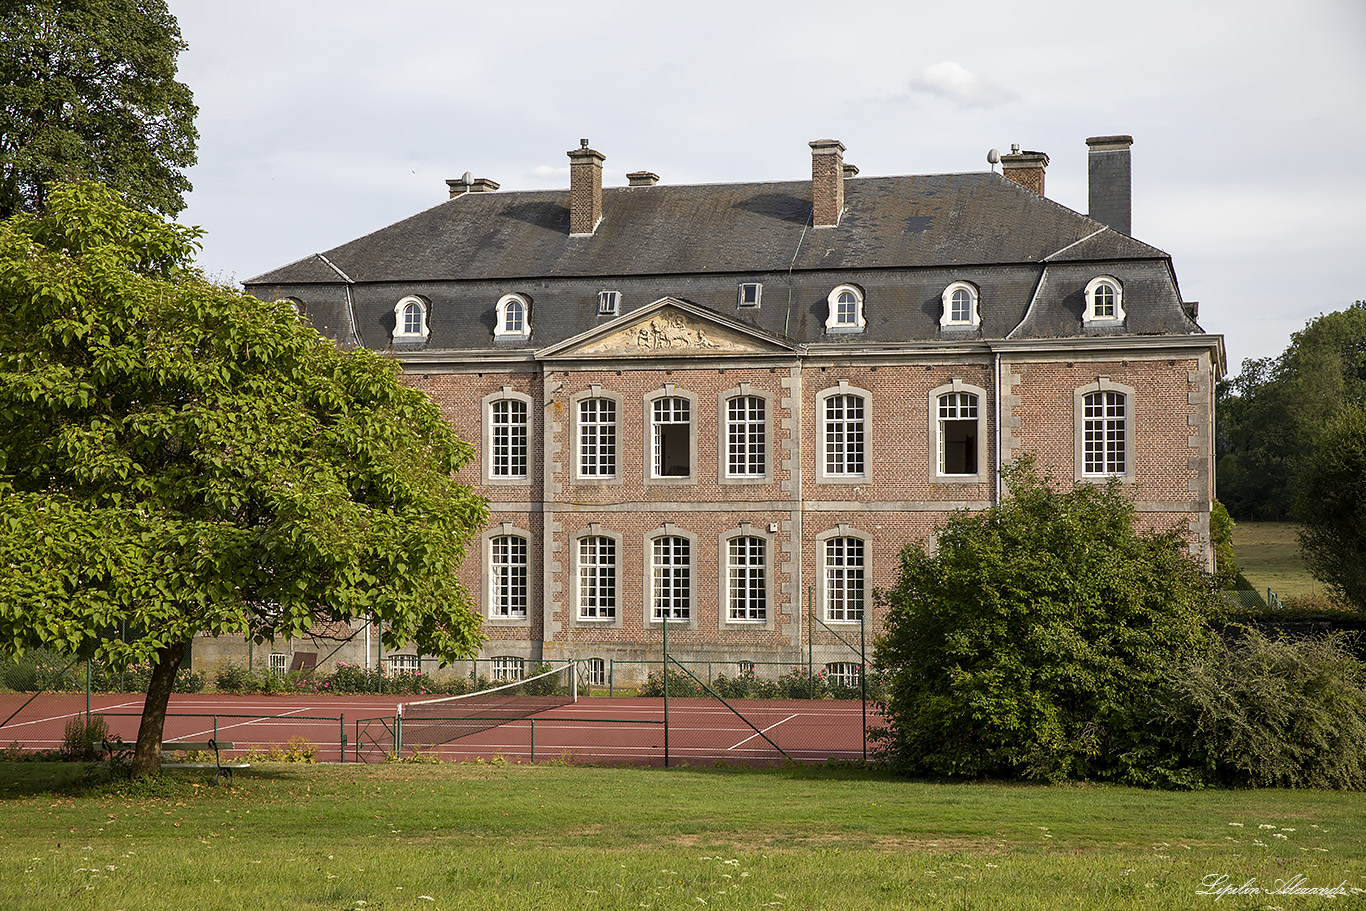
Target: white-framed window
671,437
597,671
746,437
404,664
1104,433
507,667
960,305
747,579
609,303
958,429
746,668
597,565
597,426
1104,301
957,433
279,663
845,578
513,317
670,578
844,673
508,577
749,295
410,320
845,312
842,415
1103,415
509,443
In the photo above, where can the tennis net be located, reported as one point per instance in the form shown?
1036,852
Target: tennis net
436,721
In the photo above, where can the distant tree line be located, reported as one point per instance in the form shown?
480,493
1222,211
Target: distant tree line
1291,445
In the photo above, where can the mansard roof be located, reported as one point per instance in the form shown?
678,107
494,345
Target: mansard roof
889,222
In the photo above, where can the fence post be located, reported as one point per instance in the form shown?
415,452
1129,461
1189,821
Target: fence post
810,622
533,741
341,719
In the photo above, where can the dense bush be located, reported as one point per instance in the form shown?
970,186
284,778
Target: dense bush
1026,644
1265,712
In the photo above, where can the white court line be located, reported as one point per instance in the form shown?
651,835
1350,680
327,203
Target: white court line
239,724
764,731
100,711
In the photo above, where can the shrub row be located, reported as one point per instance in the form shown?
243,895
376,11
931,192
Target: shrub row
795,684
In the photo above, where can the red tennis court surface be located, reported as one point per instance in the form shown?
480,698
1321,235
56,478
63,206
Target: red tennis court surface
594,730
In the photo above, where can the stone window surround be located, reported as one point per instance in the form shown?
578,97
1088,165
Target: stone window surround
983,406
506,529
595,391
843,530
594,530
822,476
1103,384
744,389
504,394
669,530
744,530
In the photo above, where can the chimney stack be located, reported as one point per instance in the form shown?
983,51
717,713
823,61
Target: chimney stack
1109,180
469,184
642,178
1025,168
585,189
827,182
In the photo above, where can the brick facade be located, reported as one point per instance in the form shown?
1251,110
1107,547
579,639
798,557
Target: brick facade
876,423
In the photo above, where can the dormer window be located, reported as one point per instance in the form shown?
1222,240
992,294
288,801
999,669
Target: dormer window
609,303
750,292
846,310
960,306
410,320
514,316
1104,301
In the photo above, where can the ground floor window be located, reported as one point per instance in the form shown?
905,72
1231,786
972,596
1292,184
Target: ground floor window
597,671
844,673
506,667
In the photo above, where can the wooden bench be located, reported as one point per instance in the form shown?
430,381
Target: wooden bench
221,769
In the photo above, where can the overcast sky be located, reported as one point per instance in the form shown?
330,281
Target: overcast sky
323,121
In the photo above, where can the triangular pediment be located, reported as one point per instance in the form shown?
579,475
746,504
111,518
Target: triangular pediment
669,328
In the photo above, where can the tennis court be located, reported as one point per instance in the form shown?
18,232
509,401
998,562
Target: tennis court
592,730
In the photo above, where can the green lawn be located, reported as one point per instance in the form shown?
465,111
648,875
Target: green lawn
509,837
1269,556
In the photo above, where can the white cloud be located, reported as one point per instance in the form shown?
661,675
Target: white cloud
950,81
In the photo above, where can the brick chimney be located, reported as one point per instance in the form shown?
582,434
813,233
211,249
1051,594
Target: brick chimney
469,184
585,189
827,182
1109,180
1025,168
642,178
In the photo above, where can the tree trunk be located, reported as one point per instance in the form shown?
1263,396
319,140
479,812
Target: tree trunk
147,755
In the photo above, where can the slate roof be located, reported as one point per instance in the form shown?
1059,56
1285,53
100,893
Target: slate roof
931,220
901,239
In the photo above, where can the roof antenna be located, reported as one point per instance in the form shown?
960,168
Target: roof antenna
993,156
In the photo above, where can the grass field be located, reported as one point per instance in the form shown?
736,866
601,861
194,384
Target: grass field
509,837
1269,556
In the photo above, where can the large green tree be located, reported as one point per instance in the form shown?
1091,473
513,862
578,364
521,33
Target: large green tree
1331,506
88,91
188,459
1025,643
1270,415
